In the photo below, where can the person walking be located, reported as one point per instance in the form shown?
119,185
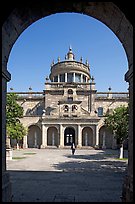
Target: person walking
73,148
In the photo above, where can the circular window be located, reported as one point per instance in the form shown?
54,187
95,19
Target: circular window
70,91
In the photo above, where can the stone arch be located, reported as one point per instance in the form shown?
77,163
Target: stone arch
87,136
106,135
114,15
52,136
34,138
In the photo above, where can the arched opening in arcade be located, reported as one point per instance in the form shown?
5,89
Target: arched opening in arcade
106,139
69,136
114,15
87,137
34,139
52,136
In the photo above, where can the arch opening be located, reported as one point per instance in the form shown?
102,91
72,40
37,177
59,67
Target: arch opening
34,137
69,136
87,137
52,137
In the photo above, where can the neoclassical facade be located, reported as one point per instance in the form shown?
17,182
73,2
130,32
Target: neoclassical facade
69,109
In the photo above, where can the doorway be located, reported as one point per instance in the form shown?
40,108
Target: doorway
69,136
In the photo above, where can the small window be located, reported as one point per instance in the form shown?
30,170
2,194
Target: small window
66,108
65,115
84,78
77,77
55,78
100,111
62,77
70,91
70,98
69,77
74,107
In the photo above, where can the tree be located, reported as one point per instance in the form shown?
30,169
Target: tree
117,122
14,112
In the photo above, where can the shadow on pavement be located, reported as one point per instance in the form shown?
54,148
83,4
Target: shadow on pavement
48,186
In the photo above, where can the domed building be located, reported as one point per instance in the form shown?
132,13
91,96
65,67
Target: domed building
69,109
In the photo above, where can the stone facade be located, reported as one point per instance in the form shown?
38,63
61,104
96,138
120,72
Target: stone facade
69,109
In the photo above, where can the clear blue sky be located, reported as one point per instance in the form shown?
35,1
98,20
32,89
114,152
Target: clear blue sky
50,37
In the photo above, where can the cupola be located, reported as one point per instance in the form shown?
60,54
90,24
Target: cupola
70,55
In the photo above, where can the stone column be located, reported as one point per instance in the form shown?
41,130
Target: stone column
81,78
65,77
79,145
44,136
104,137
25,145
61,136
97,137
58,78
6,184
74,77
128,195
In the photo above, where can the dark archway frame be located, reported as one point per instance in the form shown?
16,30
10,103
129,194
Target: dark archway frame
22,14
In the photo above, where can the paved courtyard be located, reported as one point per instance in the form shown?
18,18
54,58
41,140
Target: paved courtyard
54,175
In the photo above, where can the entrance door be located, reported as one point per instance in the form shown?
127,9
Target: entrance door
69,136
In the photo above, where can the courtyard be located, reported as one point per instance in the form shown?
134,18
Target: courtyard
55,175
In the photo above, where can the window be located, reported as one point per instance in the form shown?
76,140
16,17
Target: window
70,91
66,108
100,111
74,107
62,77
55,78
70,98
69,77
84,78
77,77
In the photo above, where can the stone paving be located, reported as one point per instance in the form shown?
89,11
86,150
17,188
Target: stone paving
54,175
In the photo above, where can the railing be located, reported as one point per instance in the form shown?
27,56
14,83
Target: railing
99,95
27,95
79,85
113,95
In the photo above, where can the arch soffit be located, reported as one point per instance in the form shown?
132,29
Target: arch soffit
88,127
52,127
70,126
106,12
34,124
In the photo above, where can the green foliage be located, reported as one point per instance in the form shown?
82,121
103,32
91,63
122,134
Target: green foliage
118,122
16,131
14,112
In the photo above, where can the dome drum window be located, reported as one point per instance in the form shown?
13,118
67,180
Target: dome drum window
70,91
